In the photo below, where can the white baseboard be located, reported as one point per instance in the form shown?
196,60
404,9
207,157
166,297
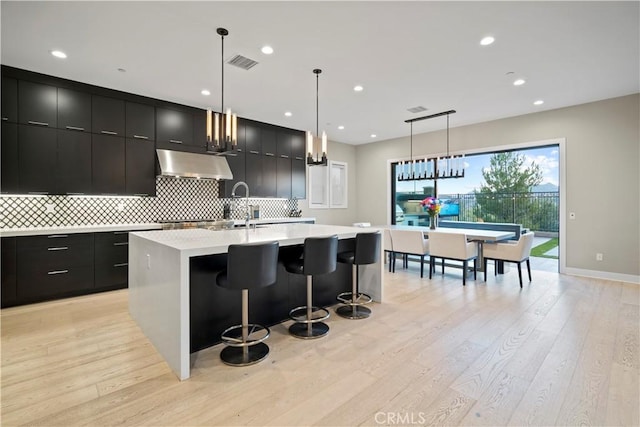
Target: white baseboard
618,277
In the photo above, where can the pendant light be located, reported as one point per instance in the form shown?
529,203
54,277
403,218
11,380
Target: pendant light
317,143
431,168
222,128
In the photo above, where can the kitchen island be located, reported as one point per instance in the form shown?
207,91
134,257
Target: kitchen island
173,294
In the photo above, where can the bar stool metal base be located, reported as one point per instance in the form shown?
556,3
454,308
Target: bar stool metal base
308,331
244,356
353,312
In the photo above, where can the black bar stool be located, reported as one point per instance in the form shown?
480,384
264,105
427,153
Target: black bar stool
367,251
249,266
319,257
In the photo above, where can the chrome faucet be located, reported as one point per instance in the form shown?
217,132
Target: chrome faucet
246,198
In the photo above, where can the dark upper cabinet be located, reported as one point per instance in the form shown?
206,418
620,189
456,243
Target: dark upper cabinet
8,281
9,100
140,167
283,178
175,127
74,162
269,141
269,177
252,138
74,110
200,129
242,136
108,164
298,146
253,173
283,149
38,104
9,167
37,153
140,121
107,115
298,179
237,165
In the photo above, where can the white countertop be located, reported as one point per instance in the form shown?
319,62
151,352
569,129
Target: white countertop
195,242
71,229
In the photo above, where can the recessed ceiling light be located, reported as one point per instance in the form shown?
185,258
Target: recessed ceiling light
288,113
58,54
340,127
519,82
205,92
267,50
487,41
358,88
538,102
373,135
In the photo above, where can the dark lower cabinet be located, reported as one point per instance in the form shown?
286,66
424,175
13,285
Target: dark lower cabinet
9,167
74,162
283,184
111,260
37,154
108,164
298,179
140,167
8,271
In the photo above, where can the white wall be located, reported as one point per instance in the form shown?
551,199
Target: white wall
602,170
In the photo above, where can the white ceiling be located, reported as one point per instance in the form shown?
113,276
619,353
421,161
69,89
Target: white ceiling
405,54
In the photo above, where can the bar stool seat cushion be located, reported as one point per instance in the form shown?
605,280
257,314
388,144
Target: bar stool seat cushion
347,257
262,257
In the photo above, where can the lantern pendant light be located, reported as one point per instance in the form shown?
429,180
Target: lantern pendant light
317,143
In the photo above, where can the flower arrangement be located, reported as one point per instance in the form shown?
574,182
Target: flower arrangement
432,205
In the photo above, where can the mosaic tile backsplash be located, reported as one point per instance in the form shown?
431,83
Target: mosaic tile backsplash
176,199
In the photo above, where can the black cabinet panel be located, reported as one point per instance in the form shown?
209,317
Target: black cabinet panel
9,99
8,272
140,121
283,185
57,255
298,146
253,173
38,104
284,144
200,129
9,167
298,179
242,136
39,284
108,164
237,165
37,153
269,177
50,240
107,115
252,138
74,162
74,110
269,141
111,260
140,167
174,126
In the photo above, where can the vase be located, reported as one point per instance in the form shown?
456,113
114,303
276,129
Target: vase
433,223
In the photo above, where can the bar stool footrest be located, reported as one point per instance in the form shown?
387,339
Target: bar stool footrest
233,336
347,298
302,316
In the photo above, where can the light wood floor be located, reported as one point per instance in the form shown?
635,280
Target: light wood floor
563,351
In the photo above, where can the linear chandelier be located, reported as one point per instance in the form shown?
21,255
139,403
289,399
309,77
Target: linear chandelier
222,128
434,167
317,143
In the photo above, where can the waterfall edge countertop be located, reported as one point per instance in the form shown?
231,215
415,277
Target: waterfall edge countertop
159,277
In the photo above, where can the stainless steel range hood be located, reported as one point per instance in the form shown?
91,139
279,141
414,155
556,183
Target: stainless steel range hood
193,165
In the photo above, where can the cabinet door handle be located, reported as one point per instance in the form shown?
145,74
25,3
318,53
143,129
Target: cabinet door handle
284,156
121,244
59,248
5,118
269,154
123,264
57,272
175,141
140,136
31,122
299,158
108,132
74,128
254,152
237,149
57,236
120,232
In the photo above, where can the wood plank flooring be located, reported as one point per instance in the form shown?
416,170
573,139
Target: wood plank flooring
562,351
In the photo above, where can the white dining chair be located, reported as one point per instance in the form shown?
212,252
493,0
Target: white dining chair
387,243
512,251
452,246
410,242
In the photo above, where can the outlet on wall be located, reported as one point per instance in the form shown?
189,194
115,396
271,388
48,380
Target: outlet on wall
599,257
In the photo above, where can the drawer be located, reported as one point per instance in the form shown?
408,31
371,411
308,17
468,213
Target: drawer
116,252
41,283
54,240
111,238
112,275
58,255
